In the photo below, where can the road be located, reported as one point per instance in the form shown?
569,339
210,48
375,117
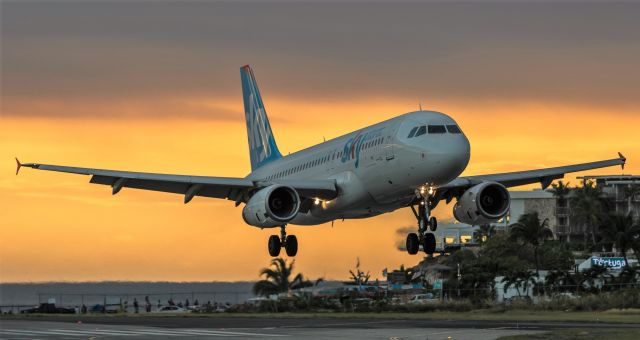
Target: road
152,327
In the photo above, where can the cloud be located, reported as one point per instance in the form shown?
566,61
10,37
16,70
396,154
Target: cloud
575,52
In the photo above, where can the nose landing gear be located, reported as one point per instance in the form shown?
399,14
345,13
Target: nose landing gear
289,243
426,223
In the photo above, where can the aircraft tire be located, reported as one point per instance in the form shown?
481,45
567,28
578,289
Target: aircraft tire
433,223
274,245
291,245
413,244
429,243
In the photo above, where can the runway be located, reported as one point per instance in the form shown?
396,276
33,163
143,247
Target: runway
152,327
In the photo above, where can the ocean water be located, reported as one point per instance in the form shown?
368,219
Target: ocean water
90,293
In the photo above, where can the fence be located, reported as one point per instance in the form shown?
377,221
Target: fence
122,301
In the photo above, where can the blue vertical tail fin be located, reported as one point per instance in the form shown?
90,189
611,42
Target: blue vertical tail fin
262,145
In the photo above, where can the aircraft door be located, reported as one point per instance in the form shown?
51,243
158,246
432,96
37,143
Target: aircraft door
388,148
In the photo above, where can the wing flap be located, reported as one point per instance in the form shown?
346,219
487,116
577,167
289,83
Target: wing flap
235,189
511,179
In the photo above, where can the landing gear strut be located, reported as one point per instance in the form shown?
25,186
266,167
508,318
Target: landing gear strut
289,243
425,223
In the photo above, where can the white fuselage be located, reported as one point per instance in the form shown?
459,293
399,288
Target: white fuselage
378,168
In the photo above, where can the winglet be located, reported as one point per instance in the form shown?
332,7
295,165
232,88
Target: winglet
623,159
18,166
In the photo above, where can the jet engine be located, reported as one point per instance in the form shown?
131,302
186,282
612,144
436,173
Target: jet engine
272,206
483,203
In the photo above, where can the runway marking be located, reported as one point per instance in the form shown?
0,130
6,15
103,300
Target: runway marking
236,333
345,324
17,331
138,332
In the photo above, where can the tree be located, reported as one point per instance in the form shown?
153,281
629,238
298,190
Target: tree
278,279
587,209
560,190
622,232
560,280
519,278
530,230
359,277
483,233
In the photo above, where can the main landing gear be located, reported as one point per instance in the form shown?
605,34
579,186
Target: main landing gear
289,243
425,223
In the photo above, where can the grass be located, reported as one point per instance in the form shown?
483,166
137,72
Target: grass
587,333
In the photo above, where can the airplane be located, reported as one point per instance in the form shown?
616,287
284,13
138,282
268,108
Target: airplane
413,160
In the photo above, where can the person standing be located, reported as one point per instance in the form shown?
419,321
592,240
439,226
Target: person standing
136,306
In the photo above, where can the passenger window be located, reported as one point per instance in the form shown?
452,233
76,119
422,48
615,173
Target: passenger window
421,131
453,129
437,129
413,132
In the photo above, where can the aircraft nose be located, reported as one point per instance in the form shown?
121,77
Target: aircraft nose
449,159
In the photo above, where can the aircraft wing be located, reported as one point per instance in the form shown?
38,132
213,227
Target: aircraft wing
511,179
231,188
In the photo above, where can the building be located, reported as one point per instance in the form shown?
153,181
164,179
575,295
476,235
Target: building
623,191
523,202
619,189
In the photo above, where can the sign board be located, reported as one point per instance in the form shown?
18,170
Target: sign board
51,301
437,284
608,262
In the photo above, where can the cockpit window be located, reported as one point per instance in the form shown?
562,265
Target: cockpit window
453,129
413,132
421,131
437,129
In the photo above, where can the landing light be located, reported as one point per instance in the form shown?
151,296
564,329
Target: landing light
430,190
317,201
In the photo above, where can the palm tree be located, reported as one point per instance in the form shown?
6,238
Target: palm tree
518,278
621,231
529,229
484,232
359,277
587,208
560,280
560,190
278,279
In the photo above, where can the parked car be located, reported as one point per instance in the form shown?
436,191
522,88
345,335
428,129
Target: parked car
172,309
48,308
419,299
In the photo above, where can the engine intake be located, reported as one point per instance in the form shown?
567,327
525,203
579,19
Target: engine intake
272,206
482,203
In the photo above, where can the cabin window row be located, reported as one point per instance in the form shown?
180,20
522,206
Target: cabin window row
322,160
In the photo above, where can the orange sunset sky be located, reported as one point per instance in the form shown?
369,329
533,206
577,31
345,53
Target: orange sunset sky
155,87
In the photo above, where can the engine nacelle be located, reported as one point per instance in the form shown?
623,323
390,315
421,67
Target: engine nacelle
483,203
272,206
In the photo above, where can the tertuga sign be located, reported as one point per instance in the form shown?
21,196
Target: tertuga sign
609,262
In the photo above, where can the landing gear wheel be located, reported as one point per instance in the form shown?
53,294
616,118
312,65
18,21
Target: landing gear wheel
274,245
433,223
291,245
429,243
413,244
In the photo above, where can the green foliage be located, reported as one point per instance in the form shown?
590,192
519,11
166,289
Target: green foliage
278,279
556,255
621,231
588,206
530,230
359,277
484,232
